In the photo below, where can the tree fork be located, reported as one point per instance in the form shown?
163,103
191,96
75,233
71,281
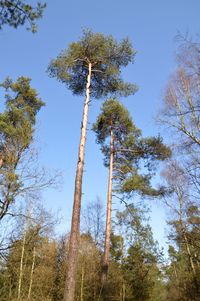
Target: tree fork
75,223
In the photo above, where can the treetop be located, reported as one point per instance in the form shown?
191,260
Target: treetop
113,116
105,56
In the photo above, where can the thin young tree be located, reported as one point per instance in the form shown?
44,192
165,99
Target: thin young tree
91,66
123,148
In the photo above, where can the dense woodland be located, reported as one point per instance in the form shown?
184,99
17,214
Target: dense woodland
106,255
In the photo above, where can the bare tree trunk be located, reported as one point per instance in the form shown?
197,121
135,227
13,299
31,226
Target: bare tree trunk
75,223
123,292
82,280
184,236
198,265
108,217
187,244
10,289
189,254
21,267
31,276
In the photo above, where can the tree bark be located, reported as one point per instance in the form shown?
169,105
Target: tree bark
184,236
82,280
75,223
189,254
31,276
187,244
123,292
108,217
21,268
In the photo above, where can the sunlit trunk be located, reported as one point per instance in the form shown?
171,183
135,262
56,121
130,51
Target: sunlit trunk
189,254
21,268
82,280
109,212
187,244
31,276
75,223
184,235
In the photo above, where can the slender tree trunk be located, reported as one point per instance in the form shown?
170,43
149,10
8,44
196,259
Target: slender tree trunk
198,265
123,292
184,236
191,263
82,280
108,217
189,254
31,276
10,289
75,223
21,267
187,245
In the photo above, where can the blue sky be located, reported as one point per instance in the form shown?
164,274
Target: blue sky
151,25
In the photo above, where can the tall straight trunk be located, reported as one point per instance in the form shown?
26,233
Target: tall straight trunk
75,223
21,268
109,212
31,276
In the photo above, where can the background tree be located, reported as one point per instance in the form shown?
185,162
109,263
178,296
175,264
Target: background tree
18,12
180,112
27,271
184,224
16,135
123,148
180,116
142,260
93,221
91,66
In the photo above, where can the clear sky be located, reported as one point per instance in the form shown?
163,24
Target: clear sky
151,25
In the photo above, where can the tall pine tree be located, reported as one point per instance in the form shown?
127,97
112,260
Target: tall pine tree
91,66
124,149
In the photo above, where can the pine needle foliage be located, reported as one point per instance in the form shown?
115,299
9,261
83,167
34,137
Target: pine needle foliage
106,56
16,13
133,154
16,133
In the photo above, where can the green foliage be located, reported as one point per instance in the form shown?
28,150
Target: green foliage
106,56
183,271
134,272
141,277
153,147
132,153
138,265
113,115
116,246
142,185
89,268
17,12
43,265
16,133
30,257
